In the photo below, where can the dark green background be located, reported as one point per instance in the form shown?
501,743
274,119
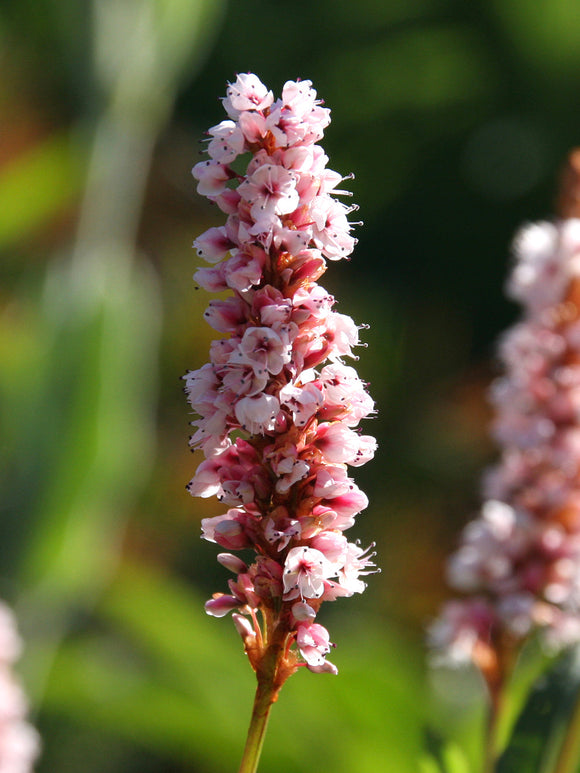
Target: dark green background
455,118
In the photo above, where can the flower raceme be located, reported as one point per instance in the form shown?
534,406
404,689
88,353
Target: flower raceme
278,408
518,564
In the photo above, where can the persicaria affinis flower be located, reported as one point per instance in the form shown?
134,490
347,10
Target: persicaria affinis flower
278,407
518,564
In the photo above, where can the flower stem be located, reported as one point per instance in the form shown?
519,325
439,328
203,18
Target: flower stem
493,728
265,696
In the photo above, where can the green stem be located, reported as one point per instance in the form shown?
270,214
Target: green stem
493,729
265,696
272,671
569,758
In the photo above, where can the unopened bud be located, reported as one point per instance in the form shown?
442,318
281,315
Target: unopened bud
231,562
220,605
243,627
303,611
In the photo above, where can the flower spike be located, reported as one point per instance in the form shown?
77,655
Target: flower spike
277,406
518,563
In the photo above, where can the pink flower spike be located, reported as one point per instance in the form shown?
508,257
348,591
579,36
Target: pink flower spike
276,407
517,567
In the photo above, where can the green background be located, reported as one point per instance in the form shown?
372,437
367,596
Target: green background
455,118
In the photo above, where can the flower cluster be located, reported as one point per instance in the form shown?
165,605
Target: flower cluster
519,562
278,407
18,740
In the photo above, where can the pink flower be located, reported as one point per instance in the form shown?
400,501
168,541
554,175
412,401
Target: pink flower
278,410
263,349
227,530
333,545
313,642
282,531
213,244
548,256
271,191
245,269
227,142
247,93
257,413
339,444
288,467
212,177
303,402
226,316
357,563
460,626
305,570
211,279
332,229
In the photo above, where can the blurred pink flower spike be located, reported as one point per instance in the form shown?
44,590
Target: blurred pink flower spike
518,563
19,742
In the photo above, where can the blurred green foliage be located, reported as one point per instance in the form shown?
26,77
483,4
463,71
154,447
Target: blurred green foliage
454,117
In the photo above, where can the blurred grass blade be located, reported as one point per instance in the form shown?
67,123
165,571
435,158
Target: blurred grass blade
443,756
98,423
428,764
93,428
536,742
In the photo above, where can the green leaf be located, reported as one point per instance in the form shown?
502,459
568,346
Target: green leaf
549,37
536,742
428,764
444,756
95,423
